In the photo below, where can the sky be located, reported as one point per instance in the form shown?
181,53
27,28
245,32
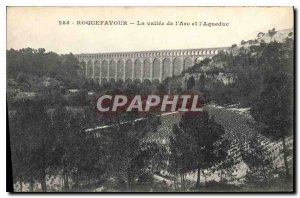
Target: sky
38,27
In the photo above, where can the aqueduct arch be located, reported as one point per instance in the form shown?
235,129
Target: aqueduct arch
147,73
137,69
187,63
156,69
177,66
128,69
112,69
97,69
166,68
120,69
144,65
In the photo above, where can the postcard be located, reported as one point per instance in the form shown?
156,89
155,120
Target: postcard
150,99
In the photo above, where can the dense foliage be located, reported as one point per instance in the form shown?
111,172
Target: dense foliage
31,68
50,108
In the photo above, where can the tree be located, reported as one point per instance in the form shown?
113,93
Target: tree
35,65
272,32
31,137
20,151
197,142
226,160
181,158
274,107
63,143
190,83
130,153
79,98
258,159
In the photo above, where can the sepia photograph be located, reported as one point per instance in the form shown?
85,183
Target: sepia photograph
150,99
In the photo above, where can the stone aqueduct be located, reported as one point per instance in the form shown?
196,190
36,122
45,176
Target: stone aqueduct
151,65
